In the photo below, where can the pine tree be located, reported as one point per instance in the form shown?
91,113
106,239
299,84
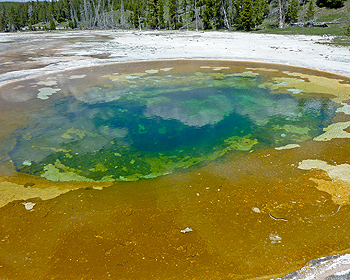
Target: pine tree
237,4
292,11
172,14
310,13
160,12
260,11
218,19
208,14
135,15
3,19
184,8
13,20
52,24
247,15
152,16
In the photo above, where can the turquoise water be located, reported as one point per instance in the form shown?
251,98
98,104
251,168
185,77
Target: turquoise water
132,127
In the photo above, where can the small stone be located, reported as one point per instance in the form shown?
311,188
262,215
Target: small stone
186,229
29,205
256,210
275,238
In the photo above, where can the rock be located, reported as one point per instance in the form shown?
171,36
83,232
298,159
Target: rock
185,230
29,205
275,238
333,267
256,210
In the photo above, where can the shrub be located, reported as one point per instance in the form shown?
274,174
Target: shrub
334,4
347,32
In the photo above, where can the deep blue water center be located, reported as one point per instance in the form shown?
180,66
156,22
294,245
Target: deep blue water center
131,127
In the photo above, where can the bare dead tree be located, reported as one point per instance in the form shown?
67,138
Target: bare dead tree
230,13
122,14
86,15
73,13
225,18
281,16
111,12
195,8
97,19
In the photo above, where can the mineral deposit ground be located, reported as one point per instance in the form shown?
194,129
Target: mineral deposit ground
260,212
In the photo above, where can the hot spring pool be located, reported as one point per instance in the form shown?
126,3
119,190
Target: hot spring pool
109,124
179,168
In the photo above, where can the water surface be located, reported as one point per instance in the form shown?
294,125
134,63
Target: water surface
114,126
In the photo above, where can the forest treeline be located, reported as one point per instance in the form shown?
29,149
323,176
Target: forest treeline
154,14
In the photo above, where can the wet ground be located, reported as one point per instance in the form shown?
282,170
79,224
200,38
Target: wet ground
251,215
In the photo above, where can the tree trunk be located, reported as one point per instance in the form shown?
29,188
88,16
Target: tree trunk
122,14
110,4
86,15
195,8
225,19
280,14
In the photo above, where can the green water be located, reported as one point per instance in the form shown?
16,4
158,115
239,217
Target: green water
143,126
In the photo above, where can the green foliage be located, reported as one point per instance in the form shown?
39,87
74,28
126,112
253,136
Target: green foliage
172,14
260,11
160,9
52,24
252,14
16,16
152,17
3,18
153,14
292,11
13,20
247,15
212,18
347,32
329,17
71,24
310,13
334,4
137,14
